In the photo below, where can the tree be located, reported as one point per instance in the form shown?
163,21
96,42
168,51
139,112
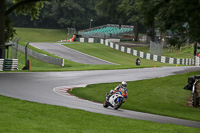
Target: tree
147,11
123,12
110,8
8,6
75,13
128,8
181,17
2,23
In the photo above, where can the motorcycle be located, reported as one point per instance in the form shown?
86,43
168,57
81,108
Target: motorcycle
138,62
115,100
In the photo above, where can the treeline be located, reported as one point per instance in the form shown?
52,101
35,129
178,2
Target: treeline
74,14
179,18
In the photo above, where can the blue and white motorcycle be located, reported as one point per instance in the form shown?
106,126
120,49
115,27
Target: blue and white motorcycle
115,100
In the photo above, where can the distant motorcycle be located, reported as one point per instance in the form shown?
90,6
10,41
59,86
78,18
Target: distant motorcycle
115,100
138,62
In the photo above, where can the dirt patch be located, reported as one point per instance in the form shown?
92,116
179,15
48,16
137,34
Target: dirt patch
189,102
196,95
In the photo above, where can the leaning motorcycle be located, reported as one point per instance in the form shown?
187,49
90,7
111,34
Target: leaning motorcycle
115,100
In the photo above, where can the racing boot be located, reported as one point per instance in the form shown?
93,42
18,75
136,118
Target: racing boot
107,97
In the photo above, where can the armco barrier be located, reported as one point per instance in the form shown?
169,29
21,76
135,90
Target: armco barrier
42,57
148,56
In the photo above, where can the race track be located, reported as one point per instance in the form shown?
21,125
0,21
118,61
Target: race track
50,88
69,54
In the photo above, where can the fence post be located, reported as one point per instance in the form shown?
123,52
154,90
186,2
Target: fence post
17,47
26,57
63,63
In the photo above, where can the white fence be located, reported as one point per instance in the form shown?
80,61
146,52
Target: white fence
148,56
1,64
8,64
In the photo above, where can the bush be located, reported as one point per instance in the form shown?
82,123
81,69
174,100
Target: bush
176,42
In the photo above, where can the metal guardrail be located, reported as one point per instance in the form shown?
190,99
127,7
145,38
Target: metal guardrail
42,57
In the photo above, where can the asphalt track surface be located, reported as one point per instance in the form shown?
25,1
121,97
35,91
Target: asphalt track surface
69,54
50,88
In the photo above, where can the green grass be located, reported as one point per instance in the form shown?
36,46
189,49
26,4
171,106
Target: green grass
125,61
18,116
40,35
185,52
36,65
54,35
103,52
163,96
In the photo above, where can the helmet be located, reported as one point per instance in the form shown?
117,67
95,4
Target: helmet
124,84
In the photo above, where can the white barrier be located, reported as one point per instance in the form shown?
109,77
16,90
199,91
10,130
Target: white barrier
8,64
148,56
91,40
1,64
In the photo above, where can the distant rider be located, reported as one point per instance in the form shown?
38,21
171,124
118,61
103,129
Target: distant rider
121,86
138,62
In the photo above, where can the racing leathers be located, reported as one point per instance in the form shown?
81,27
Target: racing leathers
120,88
123,89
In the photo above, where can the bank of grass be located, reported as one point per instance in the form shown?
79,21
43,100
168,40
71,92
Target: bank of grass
18,116
163,96
40,35
54,35
112,55
123,60
186,51
21,116
36,65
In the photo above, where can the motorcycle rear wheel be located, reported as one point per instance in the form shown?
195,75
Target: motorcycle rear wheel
105,105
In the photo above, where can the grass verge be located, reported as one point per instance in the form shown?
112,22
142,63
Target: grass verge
124,60
112,55
163,96
40,35
185,52
18,116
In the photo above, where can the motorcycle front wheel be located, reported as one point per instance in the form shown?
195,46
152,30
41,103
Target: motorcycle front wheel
118,104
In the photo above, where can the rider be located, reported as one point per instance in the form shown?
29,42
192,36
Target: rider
120,86
138,62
